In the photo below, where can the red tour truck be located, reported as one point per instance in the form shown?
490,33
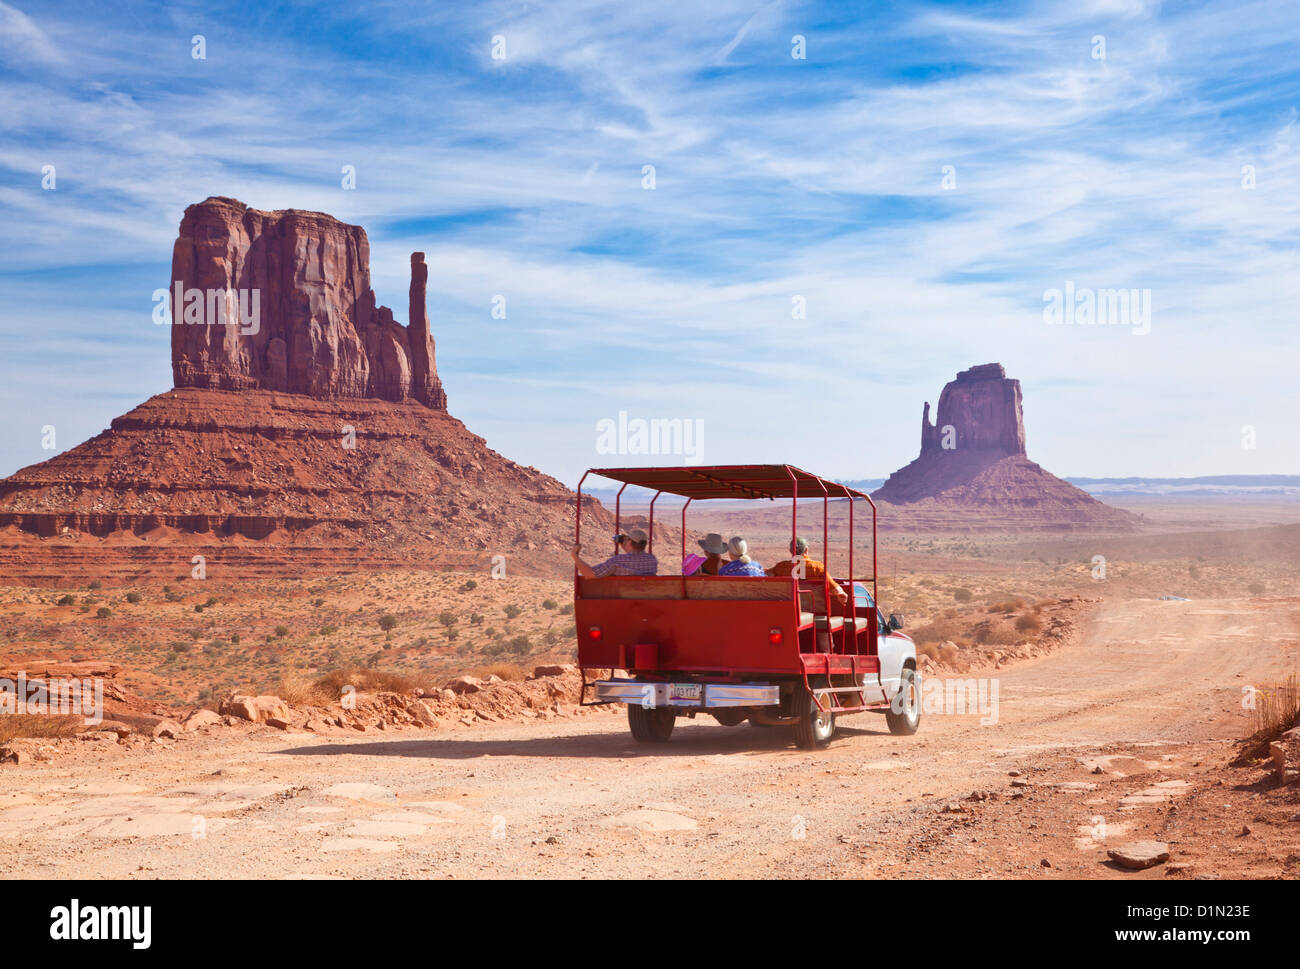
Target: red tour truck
776,651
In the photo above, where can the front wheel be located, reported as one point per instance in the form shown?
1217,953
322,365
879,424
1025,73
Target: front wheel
904,713
651,725
813,727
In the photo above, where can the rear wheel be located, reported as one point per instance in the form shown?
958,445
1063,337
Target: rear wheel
650,725
904,713
812,727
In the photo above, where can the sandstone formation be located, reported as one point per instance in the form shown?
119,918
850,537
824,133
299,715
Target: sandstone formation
282,301
973,471
311,438
264,483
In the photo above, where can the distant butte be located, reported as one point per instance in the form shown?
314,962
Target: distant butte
973,472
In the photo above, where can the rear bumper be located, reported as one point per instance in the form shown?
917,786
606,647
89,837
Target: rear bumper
712,695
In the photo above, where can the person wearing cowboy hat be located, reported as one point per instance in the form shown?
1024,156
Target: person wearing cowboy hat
714,546
631,559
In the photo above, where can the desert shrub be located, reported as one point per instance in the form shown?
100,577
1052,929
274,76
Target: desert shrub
95,584
388,622
44,725
566,609
519,645
476,619
1255,588
549,603
447,618
281,632
318,602
103,612
198,607
1029,623
212,601
67,601
171,596
938,631
962,595
512,611
469,586
234,638
1276,709
507,671
1009,605
134,597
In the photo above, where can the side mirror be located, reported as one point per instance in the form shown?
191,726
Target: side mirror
895,621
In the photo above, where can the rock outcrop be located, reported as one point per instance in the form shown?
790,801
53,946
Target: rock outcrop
984,409
282,301
973,472
307,433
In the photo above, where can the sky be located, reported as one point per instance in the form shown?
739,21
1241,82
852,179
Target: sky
847,204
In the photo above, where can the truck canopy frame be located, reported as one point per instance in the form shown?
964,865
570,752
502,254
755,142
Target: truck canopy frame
739,482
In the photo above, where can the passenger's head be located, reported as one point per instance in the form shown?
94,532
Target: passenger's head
738,549
799,546
633,540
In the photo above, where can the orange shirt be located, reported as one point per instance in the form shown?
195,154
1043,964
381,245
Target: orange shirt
812,571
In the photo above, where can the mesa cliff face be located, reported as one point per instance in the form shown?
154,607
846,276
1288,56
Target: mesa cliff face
307,433
973,471
281,301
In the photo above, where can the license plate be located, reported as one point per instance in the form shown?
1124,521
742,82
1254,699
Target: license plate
687,691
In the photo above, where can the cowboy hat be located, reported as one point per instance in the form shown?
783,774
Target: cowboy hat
713,543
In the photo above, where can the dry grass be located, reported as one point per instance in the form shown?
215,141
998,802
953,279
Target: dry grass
1009,605
325,689
507,671
1276,710
948,655
1029,623
48,726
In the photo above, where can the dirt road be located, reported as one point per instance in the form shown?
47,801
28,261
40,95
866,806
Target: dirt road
1103,739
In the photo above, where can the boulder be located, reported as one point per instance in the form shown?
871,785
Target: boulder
202,718
167,728
465,684
559,669
1137,855
258,709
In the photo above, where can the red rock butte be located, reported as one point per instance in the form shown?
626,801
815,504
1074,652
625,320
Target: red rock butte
314,439
973,472
318,331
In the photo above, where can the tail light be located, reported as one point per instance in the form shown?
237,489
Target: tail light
775,635
594,633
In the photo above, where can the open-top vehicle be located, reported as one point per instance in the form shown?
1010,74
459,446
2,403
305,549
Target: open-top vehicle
771,650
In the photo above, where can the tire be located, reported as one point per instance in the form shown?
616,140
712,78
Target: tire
650,725
907,703
813,728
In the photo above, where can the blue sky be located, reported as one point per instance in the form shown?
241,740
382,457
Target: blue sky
775,177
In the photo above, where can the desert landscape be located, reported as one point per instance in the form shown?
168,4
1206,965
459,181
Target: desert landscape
337,636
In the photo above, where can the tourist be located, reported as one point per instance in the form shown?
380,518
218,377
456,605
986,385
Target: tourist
741,564
631,559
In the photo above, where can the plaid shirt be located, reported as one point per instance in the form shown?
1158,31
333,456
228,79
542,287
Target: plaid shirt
627,563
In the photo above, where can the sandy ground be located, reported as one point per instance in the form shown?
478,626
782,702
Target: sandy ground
1124,735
